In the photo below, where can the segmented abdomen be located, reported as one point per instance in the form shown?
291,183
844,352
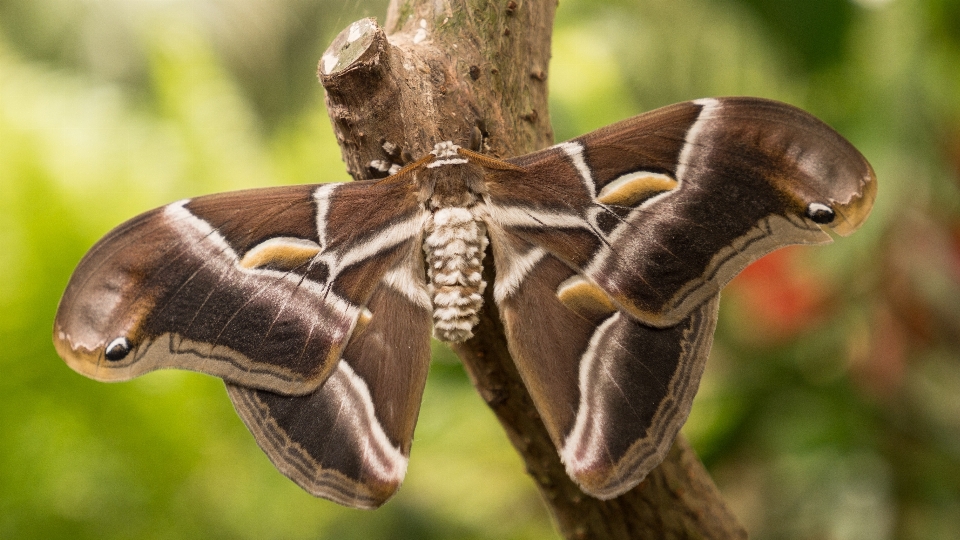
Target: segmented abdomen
454,247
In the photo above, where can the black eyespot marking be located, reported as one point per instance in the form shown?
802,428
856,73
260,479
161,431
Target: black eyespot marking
118,349
820,213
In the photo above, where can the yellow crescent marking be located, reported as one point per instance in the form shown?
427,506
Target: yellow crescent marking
585,298
363,320
631,188
280,253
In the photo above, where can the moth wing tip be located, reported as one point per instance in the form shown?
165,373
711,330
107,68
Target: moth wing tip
604,481
368,494
853,214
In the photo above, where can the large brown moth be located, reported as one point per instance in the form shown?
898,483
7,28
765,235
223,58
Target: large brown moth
315,303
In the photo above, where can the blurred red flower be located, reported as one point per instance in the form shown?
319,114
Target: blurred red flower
780,298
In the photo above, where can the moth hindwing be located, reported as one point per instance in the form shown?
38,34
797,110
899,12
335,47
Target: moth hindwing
315,303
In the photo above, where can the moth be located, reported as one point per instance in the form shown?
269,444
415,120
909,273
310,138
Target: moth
315,303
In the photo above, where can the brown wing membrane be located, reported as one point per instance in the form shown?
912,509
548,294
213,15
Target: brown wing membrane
256,287
612,392
663,209
611,250
349,440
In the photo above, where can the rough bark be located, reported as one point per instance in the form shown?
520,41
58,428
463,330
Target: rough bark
444,70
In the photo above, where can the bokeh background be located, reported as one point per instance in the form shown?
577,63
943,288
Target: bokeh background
831,404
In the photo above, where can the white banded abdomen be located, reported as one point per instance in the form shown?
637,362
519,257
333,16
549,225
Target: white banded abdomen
454,247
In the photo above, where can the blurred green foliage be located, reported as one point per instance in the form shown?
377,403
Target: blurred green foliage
831,404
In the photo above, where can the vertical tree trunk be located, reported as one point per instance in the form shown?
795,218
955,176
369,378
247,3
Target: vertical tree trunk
444,70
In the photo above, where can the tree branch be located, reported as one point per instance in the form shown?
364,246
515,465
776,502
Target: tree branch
441,71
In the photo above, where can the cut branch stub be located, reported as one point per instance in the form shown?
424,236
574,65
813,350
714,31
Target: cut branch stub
348,48
427,84
362,96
